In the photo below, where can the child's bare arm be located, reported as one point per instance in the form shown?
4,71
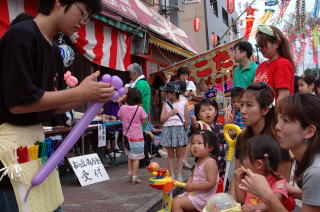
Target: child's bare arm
239,194
166,115
143,121
186,116
211,170
194,123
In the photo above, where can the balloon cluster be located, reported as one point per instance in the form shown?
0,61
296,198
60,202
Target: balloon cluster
75,133
117,83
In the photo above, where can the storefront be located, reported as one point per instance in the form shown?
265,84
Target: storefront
163,43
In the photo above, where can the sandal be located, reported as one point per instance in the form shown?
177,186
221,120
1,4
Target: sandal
135,180
129,177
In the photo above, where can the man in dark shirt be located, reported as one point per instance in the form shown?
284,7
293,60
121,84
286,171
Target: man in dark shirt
29,62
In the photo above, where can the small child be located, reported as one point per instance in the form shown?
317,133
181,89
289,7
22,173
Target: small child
133,112
207,113
261,155
111,109
235,102
306,84
203,182
174,137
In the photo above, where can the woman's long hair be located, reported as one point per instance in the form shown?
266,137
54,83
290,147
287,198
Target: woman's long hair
304,108
264,95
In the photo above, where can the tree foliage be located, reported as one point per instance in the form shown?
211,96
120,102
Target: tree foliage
311,71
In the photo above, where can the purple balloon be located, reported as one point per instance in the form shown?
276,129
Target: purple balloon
74,134
66,145
106,78
116,82
115,96
121,91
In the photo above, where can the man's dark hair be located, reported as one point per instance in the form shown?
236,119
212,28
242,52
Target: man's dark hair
236,91
244,46
182,70
46,6
21,17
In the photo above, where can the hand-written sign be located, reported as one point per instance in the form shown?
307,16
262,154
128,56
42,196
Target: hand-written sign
88,169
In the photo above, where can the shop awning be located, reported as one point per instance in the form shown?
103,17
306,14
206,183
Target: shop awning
138,12
170,47
103,45
126,27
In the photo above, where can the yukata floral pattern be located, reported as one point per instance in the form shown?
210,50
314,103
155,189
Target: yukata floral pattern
220,157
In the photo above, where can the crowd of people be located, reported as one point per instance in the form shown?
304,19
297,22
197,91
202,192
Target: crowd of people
279,125
277,130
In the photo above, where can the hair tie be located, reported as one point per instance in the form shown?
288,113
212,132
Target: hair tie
272,104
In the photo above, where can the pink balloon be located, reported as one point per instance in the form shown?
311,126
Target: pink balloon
106,78
121,91
116,82
66,75
72,81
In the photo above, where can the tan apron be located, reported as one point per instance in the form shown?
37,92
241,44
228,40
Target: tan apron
45,197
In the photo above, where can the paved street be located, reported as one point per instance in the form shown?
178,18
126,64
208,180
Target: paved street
115,195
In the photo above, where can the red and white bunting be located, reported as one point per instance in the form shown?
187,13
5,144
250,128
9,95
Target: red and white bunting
103,45
97,41
9,9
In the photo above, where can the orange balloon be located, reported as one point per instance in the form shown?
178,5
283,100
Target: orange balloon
155,166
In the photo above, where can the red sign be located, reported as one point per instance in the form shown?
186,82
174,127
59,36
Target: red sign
209,68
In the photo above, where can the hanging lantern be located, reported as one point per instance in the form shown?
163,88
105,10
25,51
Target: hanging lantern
196,24
214,39
271,3
67,55
230,6
249,22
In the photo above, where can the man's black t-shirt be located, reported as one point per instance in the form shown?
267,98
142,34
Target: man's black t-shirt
29,66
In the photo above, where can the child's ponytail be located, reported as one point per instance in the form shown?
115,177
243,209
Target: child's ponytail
266,149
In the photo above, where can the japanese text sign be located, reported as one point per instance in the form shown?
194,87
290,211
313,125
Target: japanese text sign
210,68
89,169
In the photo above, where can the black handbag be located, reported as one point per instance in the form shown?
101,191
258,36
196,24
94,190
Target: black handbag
125,138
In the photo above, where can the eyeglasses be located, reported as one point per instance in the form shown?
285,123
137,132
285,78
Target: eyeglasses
84,14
